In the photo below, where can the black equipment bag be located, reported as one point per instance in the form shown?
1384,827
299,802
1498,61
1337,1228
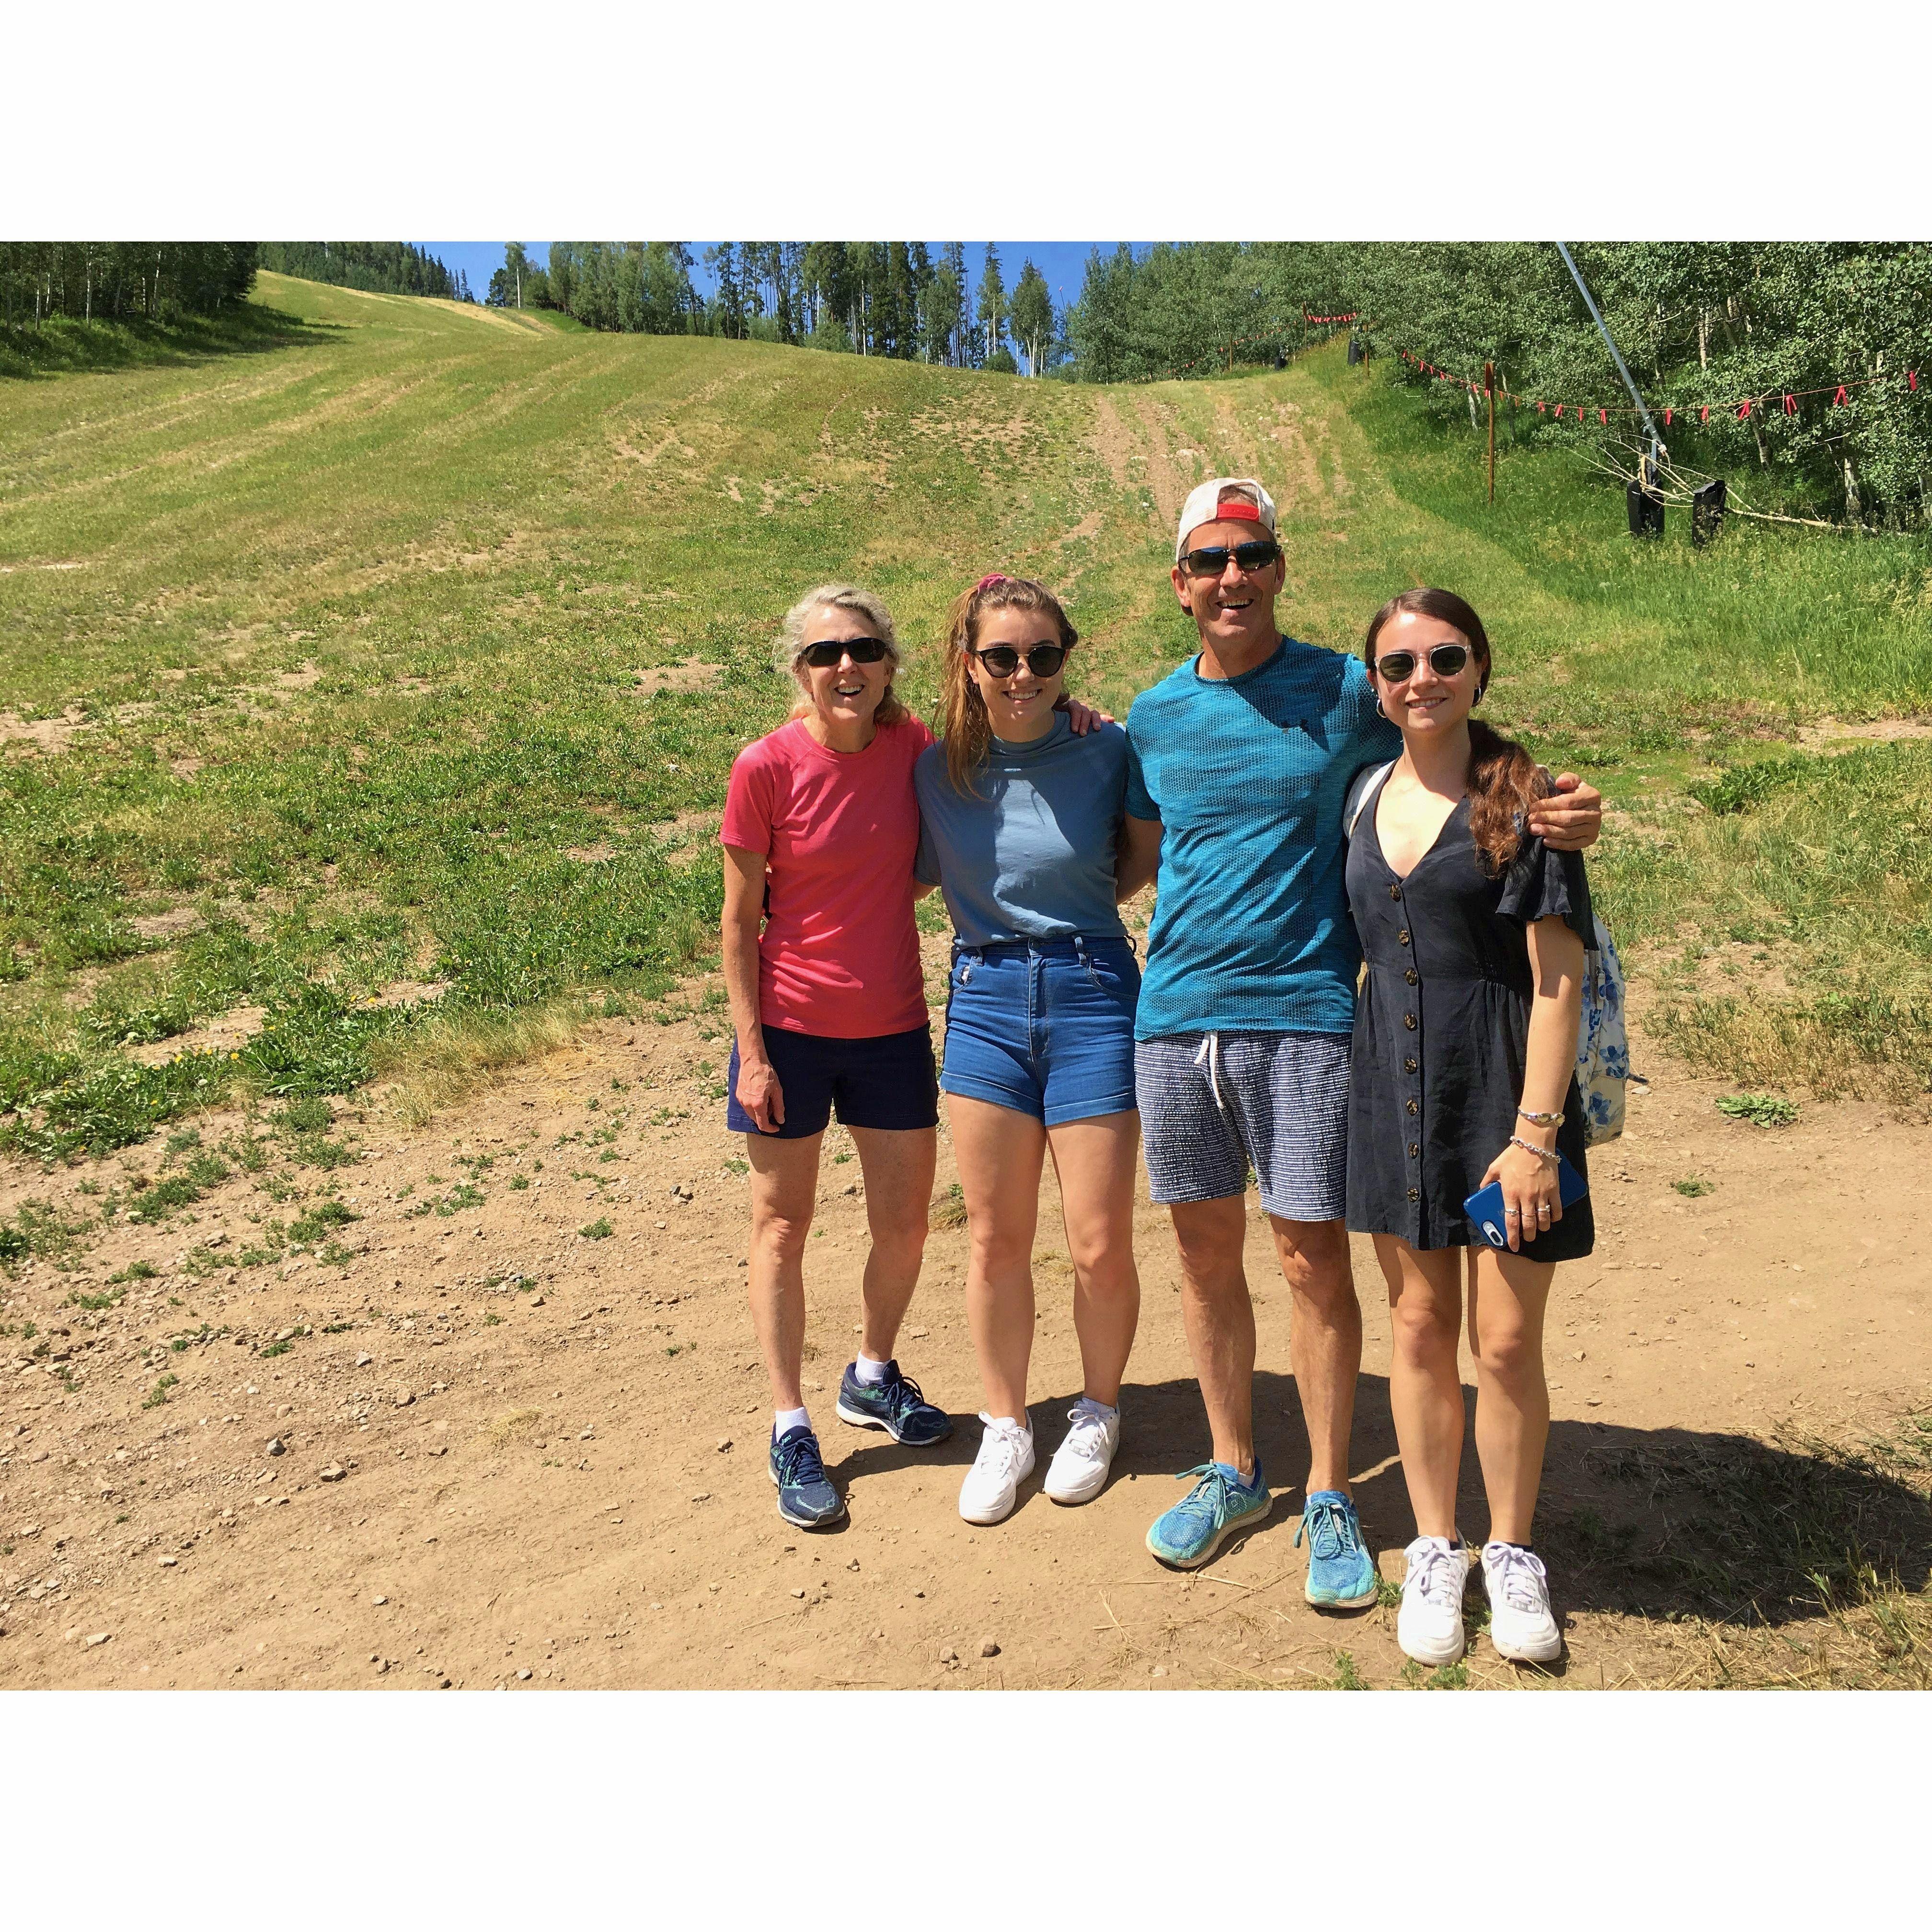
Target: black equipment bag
1707,510
1646,511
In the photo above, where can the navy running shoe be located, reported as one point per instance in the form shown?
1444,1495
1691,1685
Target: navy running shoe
806,1497
895,1405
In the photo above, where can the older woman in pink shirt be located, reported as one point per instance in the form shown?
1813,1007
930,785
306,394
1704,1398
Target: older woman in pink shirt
820,830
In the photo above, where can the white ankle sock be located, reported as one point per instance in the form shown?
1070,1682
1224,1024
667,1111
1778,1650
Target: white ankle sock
865,1370
788,1419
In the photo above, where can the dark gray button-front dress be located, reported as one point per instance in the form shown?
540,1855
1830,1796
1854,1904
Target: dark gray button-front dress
1442,1030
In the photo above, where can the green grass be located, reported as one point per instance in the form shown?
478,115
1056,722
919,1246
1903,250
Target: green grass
374,672
478,534
38,1229
1768,627
1677,679
156,1202
948,1212
1799,1561
321,1220
1761,1110
68,345
464,1194
309,1113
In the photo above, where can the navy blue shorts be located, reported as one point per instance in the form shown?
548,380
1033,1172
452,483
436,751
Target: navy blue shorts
888,1082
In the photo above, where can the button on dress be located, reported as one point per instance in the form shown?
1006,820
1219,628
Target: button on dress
1442,1030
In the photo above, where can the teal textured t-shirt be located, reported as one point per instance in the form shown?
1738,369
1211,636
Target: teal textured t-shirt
1247,775
1029,854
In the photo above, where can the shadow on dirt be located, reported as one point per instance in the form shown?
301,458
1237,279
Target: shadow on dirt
1668,1523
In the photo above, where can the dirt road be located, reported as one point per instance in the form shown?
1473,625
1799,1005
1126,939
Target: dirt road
490,1449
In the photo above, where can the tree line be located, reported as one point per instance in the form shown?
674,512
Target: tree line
1709,323
1698,322
119,281
377,268
895,298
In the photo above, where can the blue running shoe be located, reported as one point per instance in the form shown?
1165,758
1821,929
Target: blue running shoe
895,1405
1341,1572
1219,1506
806,1497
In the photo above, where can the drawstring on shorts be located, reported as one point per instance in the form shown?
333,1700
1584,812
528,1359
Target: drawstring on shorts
1210,1056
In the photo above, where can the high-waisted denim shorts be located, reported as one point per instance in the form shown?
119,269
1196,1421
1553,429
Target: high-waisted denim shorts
1044,1026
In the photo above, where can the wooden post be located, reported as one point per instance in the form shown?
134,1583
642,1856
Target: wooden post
1489,389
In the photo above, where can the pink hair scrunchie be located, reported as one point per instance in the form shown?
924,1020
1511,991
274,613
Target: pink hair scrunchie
993,576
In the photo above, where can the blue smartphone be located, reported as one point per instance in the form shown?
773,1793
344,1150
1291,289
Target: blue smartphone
1485,1207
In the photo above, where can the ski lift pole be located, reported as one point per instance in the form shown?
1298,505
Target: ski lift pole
1656,442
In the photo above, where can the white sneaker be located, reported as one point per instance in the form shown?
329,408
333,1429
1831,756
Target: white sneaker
1079,1471
1004,1462
1523,1627
1429,1626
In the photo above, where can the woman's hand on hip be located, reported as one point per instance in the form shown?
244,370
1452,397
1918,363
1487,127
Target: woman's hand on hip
1531,1204
760,1094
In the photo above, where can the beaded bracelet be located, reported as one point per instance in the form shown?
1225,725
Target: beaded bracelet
1542,1153
1541,1119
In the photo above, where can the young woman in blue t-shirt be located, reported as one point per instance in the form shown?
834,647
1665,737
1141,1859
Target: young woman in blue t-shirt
1020,822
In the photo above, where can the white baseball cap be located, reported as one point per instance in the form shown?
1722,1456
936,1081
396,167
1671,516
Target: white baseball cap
1224,498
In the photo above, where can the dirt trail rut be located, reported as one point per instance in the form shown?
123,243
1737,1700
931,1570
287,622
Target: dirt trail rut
514,1451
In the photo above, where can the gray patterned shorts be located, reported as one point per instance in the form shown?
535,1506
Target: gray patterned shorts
1214,1106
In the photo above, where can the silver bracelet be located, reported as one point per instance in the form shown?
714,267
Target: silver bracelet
1541,1119
1542,1153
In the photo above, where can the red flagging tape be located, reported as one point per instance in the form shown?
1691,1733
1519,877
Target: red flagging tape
1840,394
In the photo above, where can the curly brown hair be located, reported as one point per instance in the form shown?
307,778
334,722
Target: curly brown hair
1504,781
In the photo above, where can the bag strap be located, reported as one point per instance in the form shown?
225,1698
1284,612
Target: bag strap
1360,793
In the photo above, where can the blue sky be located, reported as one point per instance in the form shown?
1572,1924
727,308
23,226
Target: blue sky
1062,263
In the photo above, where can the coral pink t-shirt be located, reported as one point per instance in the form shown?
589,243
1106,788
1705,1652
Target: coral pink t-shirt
839,954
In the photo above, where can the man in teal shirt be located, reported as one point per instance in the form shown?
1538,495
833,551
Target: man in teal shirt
1238,765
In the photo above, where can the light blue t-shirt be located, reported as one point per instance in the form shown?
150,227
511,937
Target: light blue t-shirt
1028,854
1247,775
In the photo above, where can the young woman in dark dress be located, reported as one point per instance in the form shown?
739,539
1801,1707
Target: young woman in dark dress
1462,1073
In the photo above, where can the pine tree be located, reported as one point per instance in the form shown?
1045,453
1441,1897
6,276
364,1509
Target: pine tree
991,311
939,312
1033,317
956,327
919,265
721,259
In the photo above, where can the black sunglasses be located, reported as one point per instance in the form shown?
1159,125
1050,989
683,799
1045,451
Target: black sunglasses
863,650
1249,558
1444,660
1002,660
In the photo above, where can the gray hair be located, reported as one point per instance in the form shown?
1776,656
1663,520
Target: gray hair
790,644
